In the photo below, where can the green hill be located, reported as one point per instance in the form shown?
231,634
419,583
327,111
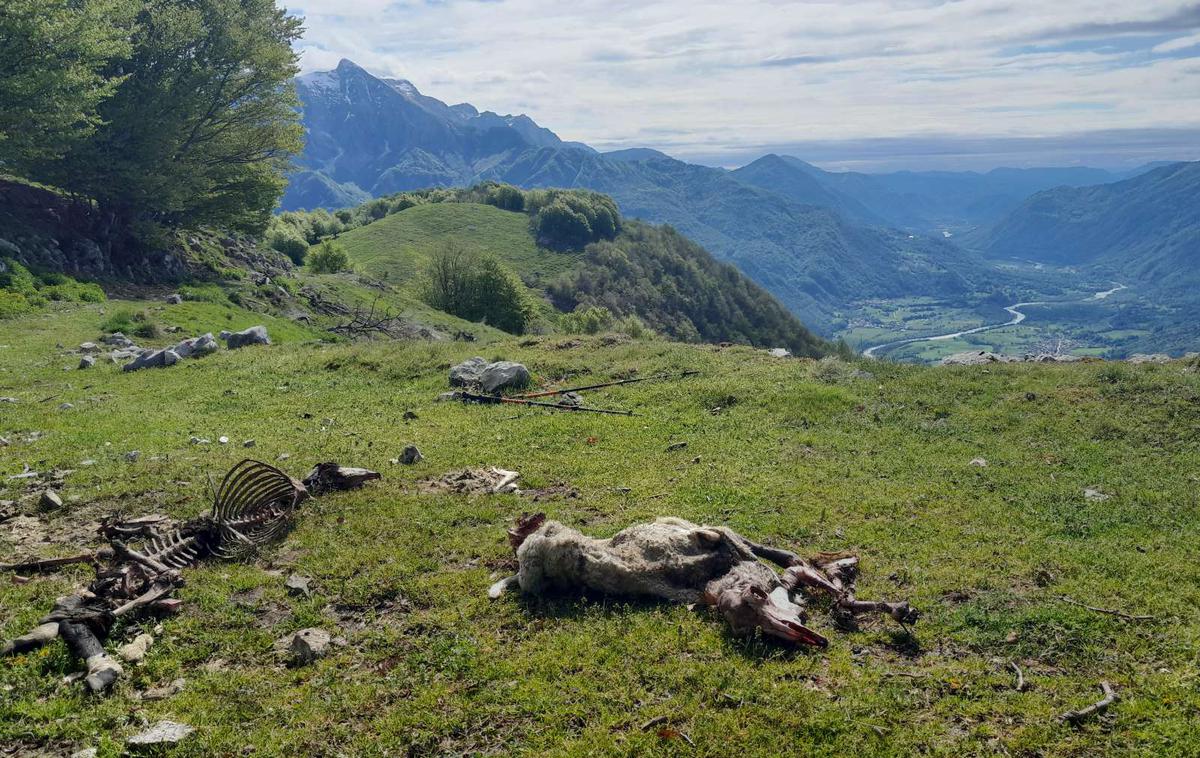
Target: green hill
669,283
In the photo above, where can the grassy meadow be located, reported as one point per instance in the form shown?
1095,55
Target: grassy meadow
871,457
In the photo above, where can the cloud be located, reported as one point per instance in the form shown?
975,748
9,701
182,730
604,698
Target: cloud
687,75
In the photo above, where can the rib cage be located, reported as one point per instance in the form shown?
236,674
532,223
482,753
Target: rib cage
252,507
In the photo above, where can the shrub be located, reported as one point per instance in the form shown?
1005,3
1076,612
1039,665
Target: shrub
121,320
290,243
561,227
506,197
587,320
329,258
13,304
477,288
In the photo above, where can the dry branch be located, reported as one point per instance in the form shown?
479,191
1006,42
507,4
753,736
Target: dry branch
1106,611
1020,685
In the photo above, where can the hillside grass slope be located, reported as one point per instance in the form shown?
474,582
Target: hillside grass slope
811,455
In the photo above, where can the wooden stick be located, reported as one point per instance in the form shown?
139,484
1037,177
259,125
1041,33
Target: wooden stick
1095,709
45,564
1107,611
493,399
548,393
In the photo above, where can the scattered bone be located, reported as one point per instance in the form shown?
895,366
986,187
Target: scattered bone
327,477
472,481
253,505
1076,717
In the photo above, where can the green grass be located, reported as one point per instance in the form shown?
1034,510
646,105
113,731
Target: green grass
397,248
805,455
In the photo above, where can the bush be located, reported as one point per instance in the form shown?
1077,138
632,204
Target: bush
122,320
506,197
290,243
24,291
477,289
329,258
587,320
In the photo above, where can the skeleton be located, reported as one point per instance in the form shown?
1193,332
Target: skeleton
253,506
678,561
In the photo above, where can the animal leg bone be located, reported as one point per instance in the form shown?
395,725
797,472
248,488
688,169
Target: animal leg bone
40,635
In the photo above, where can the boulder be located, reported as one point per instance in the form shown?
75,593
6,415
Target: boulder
779,352
87,361
197,347
503,375
255,335
50,501
298,586
153,359
89,347
467,373
175,299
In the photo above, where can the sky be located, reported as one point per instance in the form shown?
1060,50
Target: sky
872,85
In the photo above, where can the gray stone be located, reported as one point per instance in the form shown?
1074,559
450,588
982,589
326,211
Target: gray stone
162,733
503,375
66,406
297,585
50,501
308,645
255,335
1140,358
133,455
779,352
468,373
411,455
197,347
175,299
979,462
90,752
249,443
1095,495
162,693
117,339
4,442
976,358
153,359
8,400
89,347
87,361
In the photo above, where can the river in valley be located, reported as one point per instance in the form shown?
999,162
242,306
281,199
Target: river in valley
1014,310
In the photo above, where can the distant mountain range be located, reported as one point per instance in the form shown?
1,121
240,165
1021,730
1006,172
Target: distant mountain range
1145,229
820,241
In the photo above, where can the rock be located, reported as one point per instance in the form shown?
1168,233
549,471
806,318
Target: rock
89,347
66,406
409,416
411,455
175,299
467,373
978,462
676,446
976,358
90,752
197,347
117,339
135,651
162,733
133,455
1141,358
297,585
153,359
572,399
307,645
1096,496
255,335
779,352
249,443
4,442
87,361
223,440
283,457
50,501
162,693
503,375
8,400
446,396
199,441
